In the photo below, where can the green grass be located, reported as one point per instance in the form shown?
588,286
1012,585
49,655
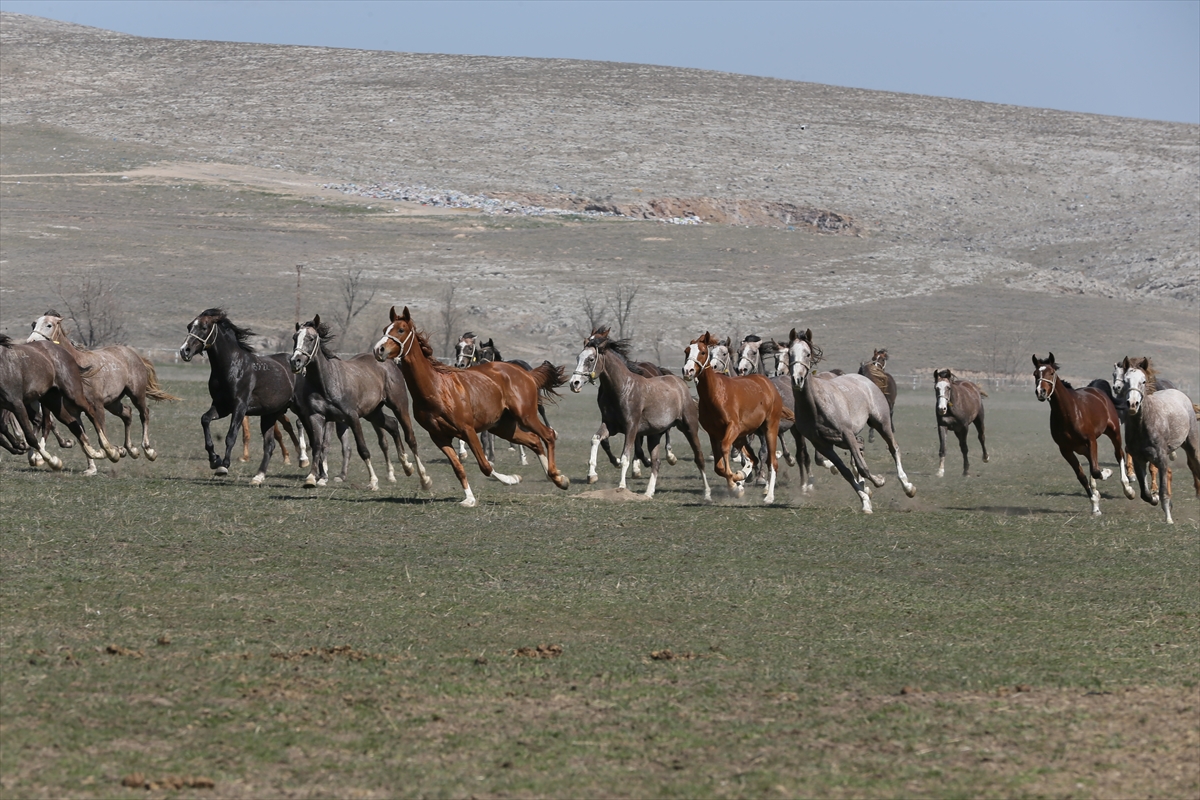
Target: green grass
795,628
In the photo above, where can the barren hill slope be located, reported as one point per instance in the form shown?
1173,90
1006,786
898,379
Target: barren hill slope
974,177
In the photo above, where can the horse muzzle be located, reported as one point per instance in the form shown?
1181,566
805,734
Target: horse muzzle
185,354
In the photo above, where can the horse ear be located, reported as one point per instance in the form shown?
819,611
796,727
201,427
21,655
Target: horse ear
297,326
392,314
1035,360
1050,359
405,315
808,335
316,320
793,336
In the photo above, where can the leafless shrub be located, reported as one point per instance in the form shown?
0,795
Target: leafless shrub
355,291
450,317
1005,355
622,303
593,314
95,306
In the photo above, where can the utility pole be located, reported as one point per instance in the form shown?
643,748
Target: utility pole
298,268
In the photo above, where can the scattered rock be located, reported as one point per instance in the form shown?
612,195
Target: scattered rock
541,651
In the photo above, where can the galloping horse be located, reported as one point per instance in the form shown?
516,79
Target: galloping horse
1078,417
874,369
116,372
345,390
241,383
470,351
959,405
750,361
830,410
450,403
731,409
635,405
1159,422
41,373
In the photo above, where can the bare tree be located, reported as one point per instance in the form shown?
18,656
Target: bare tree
356,291
451,318
623,298
1005,354
593,313
94,305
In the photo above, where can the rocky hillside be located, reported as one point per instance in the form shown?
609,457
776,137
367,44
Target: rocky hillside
1098,205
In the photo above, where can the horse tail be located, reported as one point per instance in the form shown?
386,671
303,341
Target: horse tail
1196,408
982,393
153,390
549,378
877,376
787,414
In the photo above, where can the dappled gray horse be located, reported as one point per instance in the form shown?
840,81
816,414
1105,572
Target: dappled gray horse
1159,422
635,405
958,405
831,410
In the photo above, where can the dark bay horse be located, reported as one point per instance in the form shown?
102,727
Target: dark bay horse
346,391
116,372
454,403
731,408
958,405
1078,417
1159,422
874,369
241,384
42,374
635,405
832,409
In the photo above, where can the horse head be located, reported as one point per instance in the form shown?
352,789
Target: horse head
879,358
1045,376
698,356
942,380
399,336
201,333
466,352
802,355
47,328
750,356
1139,382
489,352
310,337
585,365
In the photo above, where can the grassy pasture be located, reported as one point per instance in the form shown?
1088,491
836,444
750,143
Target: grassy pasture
986,638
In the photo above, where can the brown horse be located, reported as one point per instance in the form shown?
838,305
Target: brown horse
730,410
959,405
41,373
458,403
115,372
1078,417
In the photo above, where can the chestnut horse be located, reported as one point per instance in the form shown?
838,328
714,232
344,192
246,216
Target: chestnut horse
958,405
454,403
731,408
1078,417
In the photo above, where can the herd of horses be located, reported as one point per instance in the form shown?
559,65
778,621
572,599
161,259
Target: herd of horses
482,396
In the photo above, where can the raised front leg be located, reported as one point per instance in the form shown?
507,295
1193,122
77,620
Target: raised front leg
206,420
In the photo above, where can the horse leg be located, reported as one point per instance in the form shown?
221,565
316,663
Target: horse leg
671,459
772,464
1085,479
889,437
214,461
266,424
363,453
144,415
599,437
825,448
37,443
343,429
962,445
485,466
979,431
445,444
119,409
941,428
1142,474
283,451
690,428
318,475
231,438
382,424
298,440
639,455
1164,487
1114,436
410,437
245,440
542,439
802,458
653,441
63,441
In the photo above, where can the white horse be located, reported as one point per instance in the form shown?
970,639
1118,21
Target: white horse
831,410
1159,422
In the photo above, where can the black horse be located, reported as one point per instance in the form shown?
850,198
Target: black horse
241,384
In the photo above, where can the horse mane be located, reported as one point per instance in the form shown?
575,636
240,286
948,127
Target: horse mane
876,374
423,343
1151,374
603,345
5,340
325,336
752,338
467,335
242,335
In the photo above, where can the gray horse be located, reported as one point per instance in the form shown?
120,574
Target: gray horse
1159,422
636,406
751,361
831,410
959,405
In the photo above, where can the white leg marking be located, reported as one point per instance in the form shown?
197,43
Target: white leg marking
650,486
592,477
374,483
507,480
770,497
469,500
624,468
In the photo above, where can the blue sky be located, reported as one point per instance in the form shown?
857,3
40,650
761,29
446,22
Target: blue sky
1136,59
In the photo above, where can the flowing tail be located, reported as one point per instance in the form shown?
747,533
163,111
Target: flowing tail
549,378
787,414
153,390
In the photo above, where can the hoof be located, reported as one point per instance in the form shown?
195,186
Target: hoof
91,471
133,452
151,454
243,459
1129,493
322,482
672,459
563,482
986,459
468,502
910,490
1105,474
287,460
304,462
337,479
258,480
427,483
56,463
791,462
391,477
221,472
310,482
35,460
408,469
373,486
592,479
941,473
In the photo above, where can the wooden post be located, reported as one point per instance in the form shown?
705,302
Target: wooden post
298,268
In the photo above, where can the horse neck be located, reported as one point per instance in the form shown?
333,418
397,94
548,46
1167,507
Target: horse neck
60,338
420,376
225,349
614,373
1065,399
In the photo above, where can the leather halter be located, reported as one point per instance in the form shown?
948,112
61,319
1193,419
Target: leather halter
591,376
403,345
207,341
470,355
316,343
1043,379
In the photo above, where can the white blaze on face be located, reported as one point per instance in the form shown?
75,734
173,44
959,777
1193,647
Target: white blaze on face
691,365
943,396
746,358
1118,381
582,368
1136,389
42,329
798,353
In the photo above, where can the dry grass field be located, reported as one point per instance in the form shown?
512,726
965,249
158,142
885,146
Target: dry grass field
986,638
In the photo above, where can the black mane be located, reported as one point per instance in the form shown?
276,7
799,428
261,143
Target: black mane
324,336
242,335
